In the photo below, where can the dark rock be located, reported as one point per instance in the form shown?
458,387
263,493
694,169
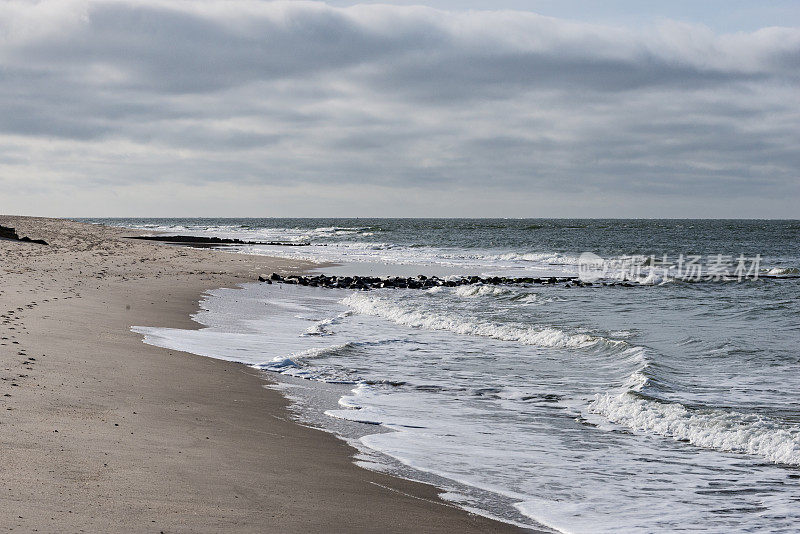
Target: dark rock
365,283
212,241
9,232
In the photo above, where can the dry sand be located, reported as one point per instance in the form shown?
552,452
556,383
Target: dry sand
102,433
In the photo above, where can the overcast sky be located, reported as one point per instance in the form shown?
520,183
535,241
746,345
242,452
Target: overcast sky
541,109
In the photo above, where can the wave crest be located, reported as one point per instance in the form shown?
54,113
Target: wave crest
481,291
713,429
417,318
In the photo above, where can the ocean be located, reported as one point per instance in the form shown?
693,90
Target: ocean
663,396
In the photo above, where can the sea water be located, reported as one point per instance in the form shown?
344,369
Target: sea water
673,404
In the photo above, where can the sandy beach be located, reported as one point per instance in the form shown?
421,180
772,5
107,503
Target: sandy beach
101,432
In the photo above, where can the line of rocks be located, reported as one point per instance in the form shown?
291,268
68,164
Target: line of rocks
366,283
211,241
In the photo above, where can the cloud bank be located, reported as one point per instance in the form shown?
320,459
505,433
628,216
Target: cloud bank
300,108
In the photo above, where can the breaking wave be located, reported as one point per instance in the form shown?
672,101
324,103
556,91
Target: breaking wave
481,291
722,430
430,320
714,429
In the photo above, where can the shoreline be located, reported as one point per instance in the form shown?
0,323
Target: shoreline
104,432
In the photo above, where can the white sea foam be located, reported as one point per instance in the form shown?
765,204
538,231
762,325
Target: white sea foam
783,271
551,258
420,318
317,352
715,429
296,364
538,299
469,291
322,327
653,278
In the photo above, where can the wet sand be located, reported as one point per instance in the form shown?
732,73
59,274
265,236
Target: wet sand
100,432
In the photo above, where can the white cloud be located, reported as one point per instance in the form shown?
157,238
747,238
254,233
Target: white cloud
99,98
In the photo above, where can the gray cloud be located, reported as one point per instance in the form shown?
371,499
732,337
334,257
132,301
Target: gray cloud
97,97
